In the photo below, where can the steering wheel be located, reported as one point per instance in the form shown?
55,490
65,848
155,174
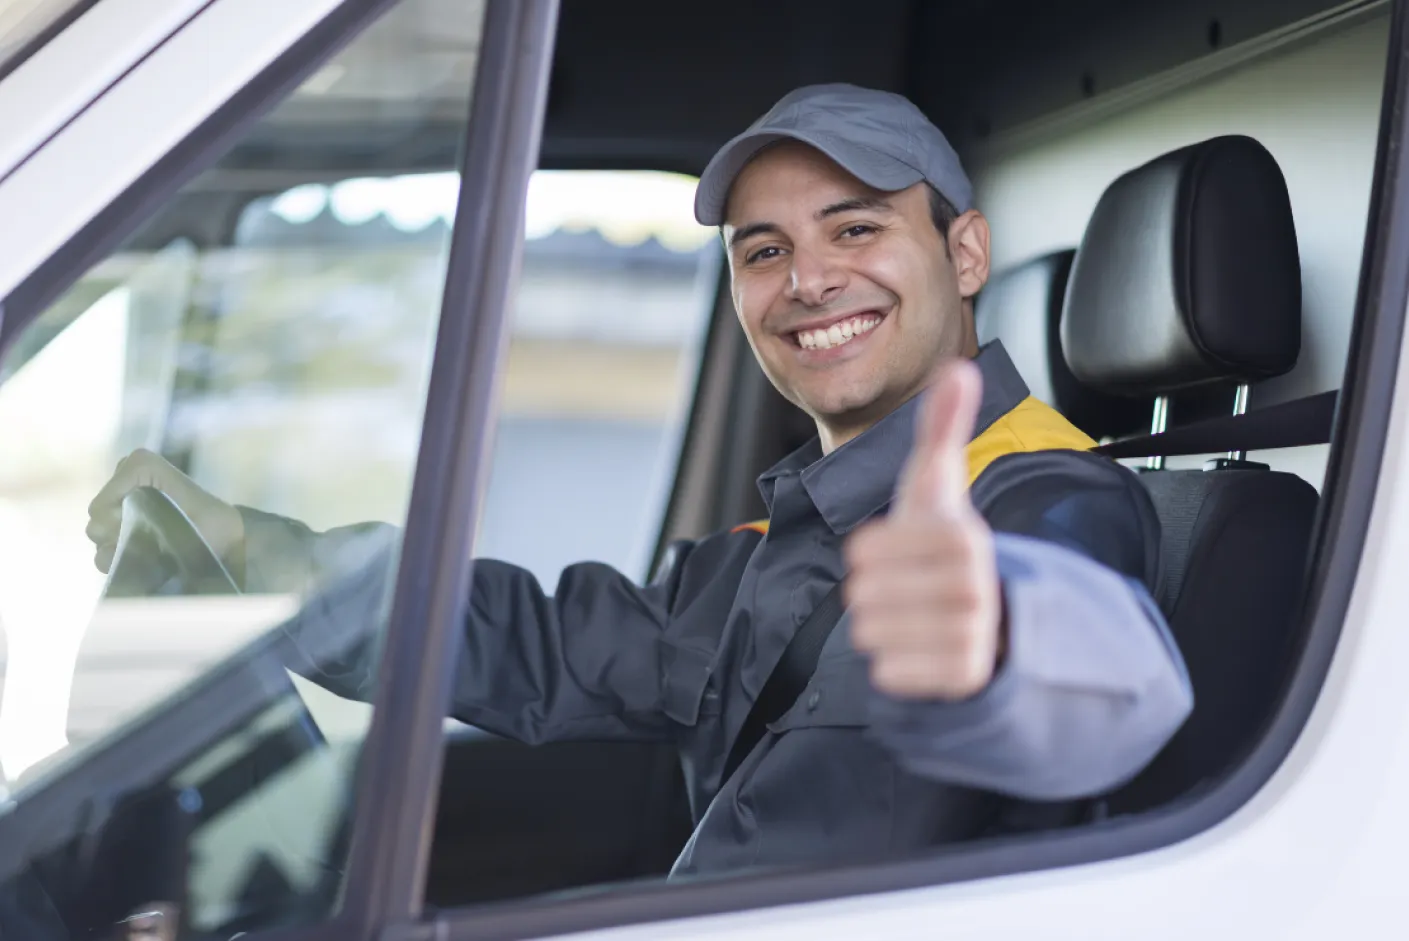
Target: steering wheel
160,552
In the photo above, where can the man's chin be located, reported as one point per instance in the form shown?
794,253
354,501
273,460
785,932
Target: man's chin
849,410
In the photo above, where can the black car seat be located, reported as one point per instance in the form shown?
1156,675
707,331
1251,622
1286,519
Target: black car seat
1022,307
1188,276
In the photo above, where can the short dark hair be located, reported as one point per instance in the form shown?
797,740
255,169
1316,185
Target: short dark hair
942,212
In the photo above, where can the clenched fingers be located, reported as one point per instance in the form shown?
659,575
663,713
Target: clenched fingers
925,605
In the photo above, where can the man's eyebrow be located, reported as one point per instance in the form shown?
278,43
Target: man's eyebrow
749,231
852,205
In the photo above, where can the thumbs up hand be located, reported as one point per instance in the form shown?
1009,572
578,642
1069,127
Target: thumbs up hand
922,586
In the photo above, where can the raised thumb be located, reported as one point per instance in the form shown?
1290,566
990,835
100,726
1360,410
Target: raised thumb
936,477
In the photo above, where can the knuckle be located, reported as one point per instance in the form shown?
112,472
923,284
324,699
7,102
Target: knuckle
864,593
969,548
863,543
863,632
968,597
919,677
886,677
853,553
966,646
856,593
973,669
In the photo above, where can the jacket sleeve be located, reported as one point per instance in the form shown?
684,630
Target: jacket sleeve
1093,685
589,661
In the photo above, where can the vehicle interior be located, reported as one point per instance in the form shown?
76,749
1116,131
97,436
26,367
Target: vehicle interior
1178,197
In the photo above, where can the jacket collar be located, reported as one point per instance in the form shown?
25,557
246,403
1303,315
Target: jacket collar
858,479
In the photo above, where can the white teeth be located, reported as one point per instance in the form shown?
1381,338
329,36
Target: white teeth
837,333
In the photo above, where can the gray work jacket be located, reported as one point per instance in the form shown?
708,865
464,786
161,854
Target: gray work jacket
1091,688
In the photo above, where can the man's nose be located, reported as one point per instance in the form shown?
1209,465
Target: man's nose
815,278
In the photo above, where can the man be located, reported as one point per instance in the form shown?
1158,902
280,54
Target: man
1001,658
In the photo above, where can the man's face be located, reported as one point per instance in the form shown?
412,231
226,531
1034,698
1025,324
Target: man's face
847,294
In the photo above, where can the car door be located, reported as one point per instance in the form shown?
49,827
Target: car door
168,774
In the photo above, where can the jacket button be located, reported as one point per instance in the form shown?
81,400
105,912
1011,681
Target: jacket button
813,700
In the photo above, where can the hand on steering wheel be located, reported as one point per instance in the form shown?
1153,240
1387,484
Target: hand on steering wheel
159,551
169,535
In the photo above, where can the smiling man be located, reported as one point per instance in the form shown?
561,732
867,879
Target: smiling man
841,288
998,660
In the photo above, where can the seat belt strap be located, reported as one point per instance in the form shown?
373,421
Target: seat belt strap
788,679
1287,425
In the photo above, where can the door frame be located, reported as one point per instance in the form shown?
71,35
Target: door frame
126,183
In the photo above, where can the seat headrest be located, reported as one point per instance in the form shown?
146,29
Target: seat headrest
1188,274
1022,307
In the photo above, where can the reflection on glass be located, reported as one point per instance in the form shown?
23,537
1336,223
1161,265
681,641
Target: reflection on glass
614,292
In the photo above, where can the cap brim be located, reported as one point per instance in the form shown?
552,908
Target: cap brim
875,169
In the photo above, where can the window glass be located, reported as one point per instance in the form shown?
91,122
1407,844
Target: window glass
256,374
617,285
615,290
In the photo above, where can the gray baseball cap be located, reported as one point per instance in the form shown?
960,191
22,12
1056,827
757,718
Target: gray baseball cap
878,137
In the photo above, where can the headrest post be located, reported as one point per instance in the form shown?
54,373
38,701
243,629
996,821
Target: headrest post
1240,406
1157,426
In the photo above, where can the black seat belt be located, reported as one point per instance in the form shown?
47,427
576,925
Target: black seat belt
1287,425
788,679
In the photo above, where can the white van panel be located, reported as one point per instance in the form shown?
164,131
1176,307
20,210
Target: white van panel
46,90
127,130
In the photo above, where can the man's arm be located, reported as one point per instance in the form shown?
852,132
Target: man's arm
593,660
1015,646
589,660
1090,687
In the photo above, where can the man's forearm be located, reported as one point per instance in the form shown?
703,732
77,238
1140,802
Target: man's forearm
340,579
1090,687
584,662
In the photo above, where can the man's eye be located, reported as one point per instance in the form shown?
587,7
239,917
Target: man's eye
763,254
853,231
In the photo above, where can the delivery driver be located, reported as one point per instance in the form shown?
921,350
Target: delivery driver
1000,657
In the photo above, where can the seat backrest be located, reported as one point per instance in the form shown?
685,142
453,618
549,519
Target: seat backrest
1022,307
1188,275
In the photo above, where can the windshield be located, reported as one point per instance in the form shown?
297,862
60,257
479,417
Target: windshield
21,21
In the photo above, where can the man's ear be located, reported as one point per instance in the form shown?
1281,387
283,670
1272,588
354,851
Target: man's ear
968,246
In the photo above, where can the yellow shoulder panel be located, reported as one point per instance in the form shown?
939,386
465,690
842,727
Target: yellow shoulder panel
1029,426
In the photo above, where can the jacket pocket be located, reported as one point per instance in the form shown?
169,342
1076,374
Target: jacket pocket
838,696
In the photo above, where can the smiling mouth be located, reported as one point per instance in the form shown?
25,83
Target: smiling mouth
837,334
